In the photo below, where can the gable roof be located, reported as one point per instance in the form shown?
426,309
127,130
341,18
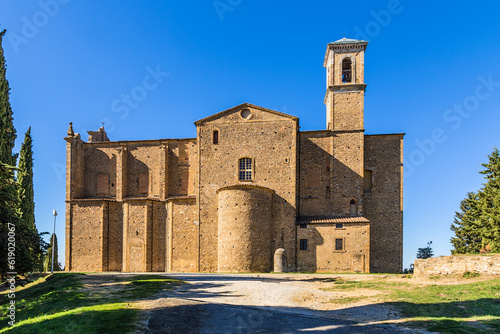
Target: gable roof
242,106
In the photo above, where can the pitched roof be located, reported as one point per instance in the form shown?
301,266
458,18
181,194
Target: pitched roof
331,219
348,41
241,106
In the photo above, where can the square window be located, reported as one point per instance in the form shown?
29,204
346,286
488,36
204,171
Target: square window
303,244
303,226
339,244
339,225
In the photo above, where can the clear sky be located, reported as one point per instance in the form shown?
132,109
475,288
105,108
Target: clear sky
432,70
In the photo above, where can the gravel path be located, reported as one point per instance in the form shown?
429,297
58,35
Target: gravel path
263,303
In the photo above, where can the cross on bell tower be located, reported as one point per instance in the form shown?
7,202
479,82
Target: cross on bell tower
345,87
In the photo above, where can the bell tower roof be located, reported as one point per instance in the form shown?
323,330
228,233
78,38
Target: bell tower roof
345,44
349,41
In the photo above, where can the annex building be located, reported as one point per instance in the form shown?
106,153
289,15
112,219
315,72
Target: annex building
248,184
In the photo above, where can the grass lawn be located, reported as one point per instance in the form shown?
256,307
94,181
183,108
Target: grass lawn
446,308
60,303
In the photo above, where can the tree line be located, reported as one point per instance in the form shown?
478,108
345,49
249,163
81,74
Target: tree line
477,223
22,248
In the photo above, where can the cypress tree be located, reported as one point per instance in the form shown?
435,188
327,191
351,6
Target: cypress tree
466,226
25,181
48,256
26,202
7,130
16,220
9,217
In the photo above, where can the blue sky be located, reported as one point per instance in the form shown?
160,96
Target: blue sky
431,68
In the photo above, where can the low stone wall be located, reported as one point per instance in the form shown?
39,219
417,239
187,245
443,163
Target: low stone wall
457,265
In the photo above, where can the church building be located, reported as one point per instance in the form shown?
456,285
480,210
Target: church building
250,184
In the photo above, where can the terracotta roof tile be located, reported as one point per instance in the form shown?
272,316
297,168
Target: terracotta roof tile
330,219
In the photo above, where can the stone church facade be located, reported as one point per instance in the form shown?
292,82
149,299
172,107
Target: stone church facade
250,183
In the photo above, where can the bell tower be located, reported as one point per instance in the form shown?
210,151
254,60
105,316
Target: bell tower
345,86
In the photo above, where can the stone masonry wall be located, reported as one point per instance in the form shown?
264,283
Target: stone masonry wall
316,171
347,180
182,167
270,140
137,236
321,254
184,238
244,229
488,264
328,180
159,236
347,110
115,236
87,236
143,170
383,204
100,160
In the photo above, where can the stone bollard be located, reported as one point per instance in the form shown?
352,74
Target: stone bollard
279,260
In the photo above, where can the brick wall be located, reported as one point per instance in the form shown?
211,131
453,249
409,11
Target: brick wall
245,217
183,233
383,204
270,140
321,254
87,236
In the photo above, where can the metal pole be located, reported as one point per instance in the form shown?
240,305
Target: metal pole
53,241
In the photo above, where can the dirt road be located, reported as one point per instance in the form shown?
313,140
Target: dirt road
264,303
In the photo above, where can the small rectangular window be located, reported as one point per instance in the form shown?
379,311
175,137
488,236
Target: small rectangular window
339,244
303,244
367,180
303,226
215,137
339,225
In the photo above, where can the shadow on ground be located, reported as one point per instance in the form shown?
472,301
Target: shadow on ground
186,314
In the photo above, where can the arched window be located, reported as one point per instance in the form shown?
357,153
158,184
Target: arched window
346,70
353,210
245,169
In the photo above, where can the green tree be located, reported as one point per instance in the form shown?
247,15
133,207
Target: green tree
16,220
48,255
27,203
490,203
9,217
466,226
25,180
478,223
7,130
426,252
